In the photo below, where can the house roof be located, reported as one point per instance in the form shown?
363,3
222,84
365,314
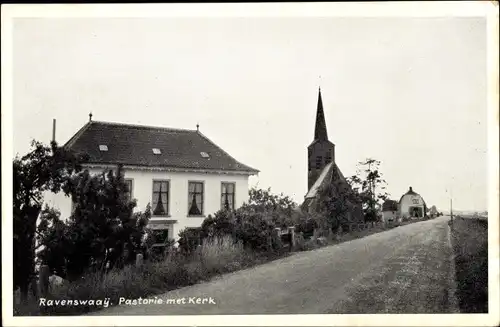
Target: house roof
133,145
412,192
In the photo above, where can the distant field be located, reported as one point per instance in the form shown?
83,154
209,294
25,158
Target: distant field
469,238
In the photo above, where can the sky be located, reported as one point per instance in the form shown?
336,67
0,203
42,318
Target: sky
410,92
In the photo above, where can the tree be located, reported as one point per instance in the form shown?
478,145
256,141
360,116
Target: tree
51,237
278,208
252,224
336,205
102,232
370,186
44,168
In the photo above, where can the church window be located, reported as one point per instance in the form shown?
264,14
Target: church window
328,158
319,161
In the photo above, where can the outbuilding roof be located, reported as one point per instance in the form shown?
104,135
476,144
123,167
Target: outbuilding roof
390,205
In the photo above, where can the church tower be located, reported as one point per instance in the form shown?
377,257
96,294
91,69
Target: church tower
321,151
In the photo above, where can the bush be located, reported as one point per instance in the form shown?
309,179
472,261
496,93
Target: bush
307,227
189,239
311,244
218,225
254,231
253,228
220,254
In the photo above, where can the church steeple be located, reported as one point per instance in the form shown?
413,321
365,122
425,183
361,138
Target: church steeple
321,151
320,129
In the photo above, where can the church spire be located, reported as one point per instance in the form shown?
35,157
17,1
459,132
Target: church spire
320,129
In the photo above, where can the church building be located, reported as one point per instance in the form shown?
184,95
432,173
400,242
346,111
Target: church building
322,168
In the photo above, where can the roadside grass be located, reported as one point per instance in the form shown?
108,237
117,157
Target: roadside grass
469,238
213,258
312,244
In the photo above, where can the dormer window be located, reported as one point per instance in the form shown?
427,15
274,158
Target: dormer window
204,155
156,151
103,148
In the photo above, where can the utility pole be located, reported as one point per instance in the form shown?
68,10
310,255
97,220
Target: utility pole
451,209
451,200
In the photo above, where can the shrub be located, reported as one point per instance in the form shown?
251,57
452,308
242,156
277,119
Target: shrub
189,239
300,242
307,227
254,230
220,254
311,244
218,225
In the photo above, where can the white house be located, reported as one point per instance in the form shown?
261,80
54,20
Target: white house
412,205
181,173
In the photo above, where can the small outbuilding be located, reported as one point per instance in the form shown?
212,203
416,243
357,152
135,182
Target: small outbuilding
389,210
412,205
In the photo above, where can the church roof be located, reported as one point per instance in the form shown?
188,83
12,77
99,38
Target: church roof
320,132
324,177
330,172
137,145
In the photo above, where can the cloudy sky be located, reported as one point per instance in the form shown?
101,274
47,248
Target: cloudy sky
410,92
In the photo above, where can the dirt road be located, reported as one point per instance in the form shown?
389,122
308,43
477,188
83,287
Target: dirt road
403,270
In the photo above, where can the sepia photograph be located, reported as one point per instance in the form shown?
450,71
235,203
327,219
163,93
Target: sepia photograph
250,164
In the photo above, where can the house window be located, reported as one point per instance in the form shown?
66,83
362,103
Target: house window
227,196
160,198
128,191
319,160
195,198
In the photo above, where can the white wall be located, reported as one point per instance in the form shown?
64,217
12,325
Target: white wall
142,191
387,215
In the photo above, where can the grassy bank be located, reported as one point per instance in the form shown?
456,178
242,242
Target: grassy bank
213,259
470,246
174,271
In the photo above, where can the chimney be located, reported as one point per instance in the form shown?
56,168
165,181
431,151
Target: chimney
53,130
411,190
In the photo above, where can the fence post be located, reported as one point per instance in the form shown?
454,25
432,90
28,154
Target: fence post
43,280
276,236
338,234
315,233
34,288
139,260
291,231
330,234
